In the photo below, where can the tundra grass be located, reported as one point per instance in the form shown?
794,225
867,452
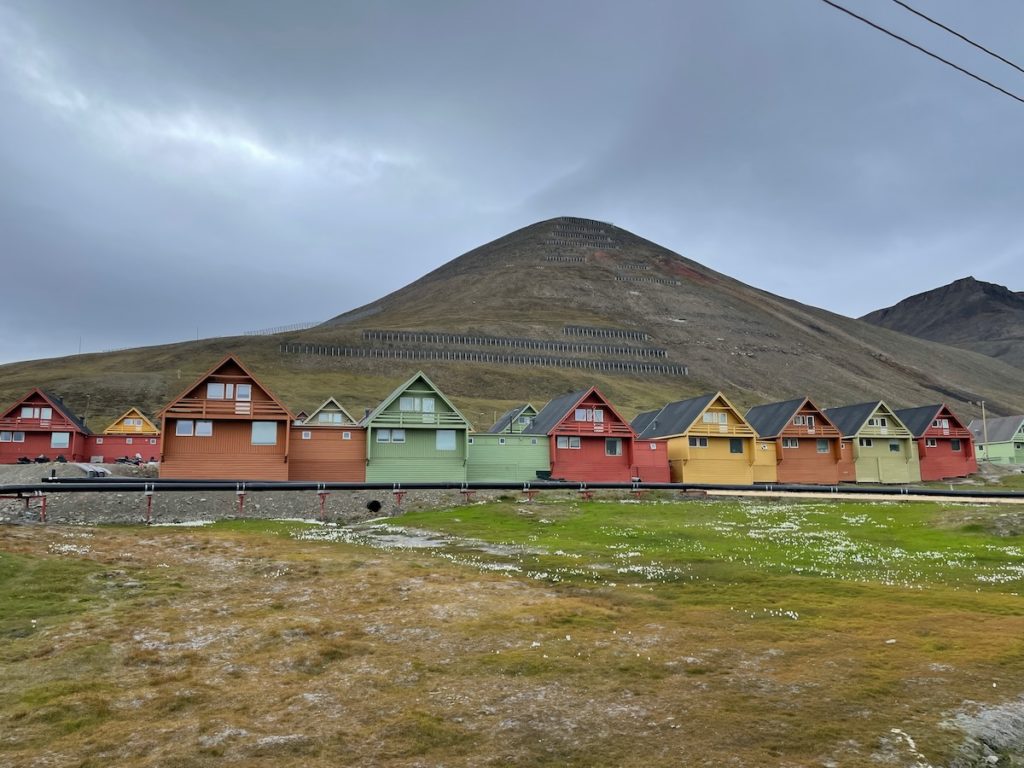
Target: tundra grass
603,633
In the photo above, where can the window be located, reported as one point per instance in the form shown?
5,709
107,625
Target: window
184,428
264,433
823,446
613,446
60,439
1018,446
810,423
589,414
383,435
152,441
411,403
533,441
444,441
941,423
574,443
307,435
215,390
243,392
328,418
790,442
36,412
471,441
397,435
866,442
654,446
878,421
501,441
204,429
712,417
562,442
735,445
99,441
894,446
954,445
799,421
6,437
930,442
346,435
127,441
526,420
698,442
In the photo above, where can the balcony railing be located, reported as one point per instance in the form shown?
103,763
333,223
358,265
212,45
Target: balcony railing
414,419
610,428
201,408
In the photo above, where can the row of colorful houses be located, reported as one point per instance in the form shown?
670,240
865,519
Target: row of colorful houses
229,425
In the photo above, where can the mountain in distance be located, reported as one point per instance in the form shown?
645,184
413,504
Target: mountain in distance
967,313
654,305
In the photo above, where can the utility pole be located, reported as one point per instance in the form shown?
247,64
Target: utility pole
984,432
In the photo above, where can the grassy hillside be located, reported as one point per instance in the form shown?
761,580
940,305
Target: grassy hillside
755,346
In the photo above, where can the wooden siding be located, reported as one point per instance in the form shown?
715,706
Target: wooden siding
326,456
765,463
650,461
227,454
38,432
107,448
417,459
119,427
507,457
878,463
715,464
590,462
941,461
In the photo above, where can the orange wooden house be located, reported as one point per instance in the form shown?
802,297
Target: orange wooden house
131,434
328,446
226,425
808,447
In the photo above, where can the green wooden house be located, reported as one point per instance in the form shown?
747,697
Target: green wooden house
999,440
416,434
515,420
509,457
884,450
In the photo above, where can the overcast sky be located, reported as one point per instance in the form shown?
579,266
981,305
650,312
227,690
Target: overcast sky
168,167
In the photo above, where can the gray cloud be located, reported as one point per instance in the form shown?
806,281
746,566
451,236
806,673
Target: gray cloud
254,164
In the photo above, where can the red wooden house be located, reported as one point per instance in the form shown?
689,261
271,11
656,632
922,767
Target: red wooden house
591,442
808,447
945,446
41,425
225,425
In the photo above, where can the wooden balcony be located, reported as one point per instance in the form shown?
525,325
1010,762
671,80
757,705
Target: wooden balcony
22,425
720,430
249,410
414,419
589,428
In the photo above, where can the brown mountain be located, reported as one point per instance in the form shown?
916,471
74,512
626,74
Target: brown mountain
967,313
615,310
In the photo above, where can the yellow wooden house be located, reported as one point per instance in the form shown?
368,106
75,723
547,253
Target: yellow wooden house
709,442
132,422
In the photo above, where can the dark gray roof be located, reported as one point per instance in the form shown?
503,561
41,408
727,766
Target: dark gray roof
848,419
60,406
554,412
675,418
507,419
769,420
1000,430
643,420
917,420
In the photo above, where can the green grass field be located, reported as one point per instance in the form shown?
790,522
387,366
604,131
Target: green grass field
602,633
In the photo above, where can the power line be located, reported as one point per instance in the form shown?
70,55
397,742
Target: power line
925,51
966,39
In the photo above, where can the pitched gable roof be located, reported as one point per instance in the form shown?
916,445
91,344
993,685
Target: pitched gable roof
643,420
552,413
225,361
770,419
311,419
850,418
675,418
917,420
1000,430
404,386
134,413
54,402
508,418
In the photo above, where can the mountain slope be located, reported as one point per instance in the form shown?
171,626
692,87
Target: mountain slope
655,306
968,313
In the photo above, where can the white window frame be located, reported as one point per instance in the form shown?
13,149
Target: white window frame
866,442
307,435
575,443
790,442
248,392
346,435
6,437
445,433
562,442
798,421
501,441
215,390
397,435
128,441
383,435
955,445
931,442
99,441
253,439
54,443
895,447
698,442
654,446
204,428
181,430
613,441
822,445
